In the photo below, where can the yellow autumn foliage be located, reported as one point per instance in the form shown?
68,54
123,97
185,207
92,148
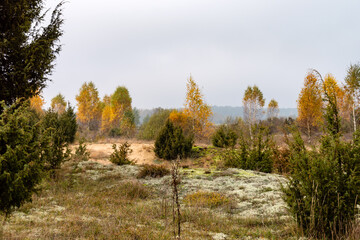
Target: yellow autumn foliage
37,102
197,110
310,103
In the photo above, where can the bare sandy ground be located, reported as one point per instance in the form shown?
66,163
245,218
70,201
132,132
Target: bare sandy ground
142,153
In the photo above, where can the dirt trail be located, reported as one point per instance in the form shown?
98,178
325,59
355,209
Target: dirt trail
142,153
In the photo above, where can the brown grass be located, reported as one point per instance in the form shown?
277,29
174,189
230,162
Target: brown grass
74,206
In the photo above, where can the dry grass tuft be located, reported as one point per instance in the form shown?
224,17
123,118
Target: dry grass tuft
153,171
206,199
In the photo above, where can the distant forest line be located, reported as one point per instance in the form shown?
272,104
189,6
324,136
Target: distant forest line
221,113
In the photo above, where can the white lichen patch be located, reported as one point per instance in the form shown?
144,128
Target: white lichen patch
255,194
41,214
218,236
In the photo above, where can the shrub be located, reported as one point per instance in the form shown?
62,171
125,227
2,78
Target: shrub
171,143
81,152
206,199
54,134
21,150
153,171
254,155
224,137
120,157
324,186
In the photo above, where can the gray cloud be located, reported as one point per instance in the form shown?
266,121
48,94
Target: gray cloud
151,47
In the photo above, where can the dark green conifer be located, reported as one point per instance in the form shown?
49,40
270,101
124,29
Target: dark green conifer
27,47
20,156
171,142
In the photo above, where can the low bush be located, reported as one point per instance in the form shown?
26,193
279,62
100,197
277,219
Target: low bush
120,156
254,155
81,152
171,143
153,171
206,199
281,160
224,137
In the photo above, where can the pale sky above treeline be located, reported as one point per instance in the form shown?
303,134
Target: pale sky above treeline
152,47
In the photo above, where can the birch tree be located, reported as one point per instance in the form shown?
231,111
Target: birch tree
253,103
352,86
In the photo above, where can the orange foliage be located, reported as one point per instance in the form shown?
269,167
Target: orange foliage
310,103
106,118
339,94
37,102
197,110
117,111
180,118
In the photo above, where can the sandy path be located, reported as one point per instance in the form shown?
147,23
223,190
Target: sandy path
142,153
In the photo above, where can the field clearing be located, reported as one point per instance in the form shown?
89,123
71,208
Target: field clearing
96,199
142,153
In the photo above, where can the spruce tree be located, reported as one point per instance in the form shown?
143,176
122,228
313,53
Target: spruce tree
27,47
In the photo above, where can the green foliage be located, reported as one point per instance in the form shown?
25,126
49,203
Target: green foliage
153,171
69,124
171,143
20,156
324,185
81,152
57,132
254,155
224,137
136,115
151,128
115,132
28,47
120,156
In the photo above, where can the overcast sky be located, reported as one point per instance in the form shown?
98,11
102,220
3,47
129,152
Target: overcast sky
152,47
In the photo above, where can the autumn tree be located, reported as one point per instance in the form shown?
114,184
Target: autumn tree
352,81
273,109
58,104
117,112
106,114
88,103
181,119
343,99
310,104
253,103
28,47
196,108
36,103
122,116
